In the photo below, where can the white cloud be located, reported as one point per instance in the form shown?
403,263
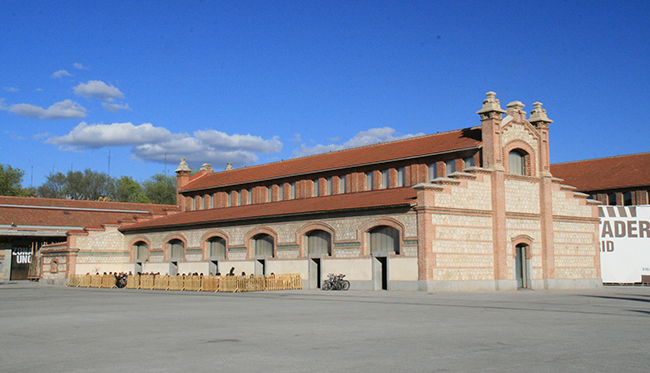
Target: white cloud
94,136
150,143
11,89
60,110
221,140
115,107
60,74
99,90
372,136
79,66
2,104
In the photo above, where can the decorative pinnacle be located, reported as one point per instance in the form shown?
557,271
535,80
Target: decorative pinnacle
229,166
490,104
182,167
538,114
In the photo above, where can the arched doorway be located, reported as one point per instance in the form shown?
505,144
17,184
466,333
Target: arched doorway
176,250
263,245
140,256
216,247
522,270
383,242
318,243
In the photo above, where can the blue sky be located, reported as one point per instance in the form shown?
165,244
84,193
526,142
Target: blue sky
260,81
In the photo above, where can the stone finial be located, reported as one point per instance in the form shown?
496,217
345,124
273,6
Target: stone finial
515,111
183,167
206,167
490,104
538,114
229,166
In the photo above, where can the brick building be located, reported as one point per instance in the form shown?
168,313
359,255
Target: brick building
623,180
472,209
35,229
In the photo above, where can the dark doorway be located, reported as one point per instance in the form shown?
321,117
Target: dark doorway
521,263
380,273
314,273
21,257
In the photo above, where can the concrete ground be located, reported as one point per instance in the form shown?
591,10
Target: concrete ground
57,329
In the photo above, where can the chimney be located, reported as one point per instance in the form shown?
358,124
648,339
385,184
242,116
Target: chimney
182,178
229,166
491,114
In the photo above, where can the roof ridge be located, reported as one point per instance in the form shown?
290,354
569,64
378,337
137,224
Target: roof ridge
597,159
188,186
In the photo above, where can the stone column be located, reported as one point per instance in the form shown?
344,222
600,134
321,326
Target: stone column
539,119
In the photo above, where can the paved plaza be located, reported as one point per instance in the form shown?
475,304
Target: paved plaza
57,329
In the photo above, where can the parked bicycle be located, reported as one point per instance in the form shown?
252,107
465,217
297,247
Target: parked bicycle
335,282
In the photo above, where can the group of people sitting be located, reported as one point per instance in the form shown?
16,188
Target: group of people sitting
121,278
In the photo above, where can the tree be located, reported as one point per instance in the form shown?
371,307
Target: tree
88,185
160,189
129,190
53,187
10,181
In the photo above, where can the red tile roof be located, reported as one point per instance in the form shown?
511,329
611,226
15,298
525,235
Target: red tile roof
46,212
52,202
605,173
377,153
395,197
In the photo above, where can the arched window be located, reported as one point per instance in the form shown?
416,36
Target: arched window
518,160
627,198
318,242
140,252
384,239
611,199
216,248
176,250
263,244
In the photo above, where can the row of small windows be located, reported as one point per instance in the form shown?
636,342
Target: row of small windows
245,196
382,240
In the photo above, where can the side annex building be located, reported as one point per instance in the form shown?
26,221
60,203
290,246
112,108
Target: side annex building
471,209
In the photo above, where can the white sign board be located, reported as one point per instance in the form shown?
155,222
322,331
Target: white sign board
624,243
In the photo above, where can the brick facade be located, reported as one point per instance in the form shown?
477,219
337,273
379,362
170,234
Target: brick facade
478,228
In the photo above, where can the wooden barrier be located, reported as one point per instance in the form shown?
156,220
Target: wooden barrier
84,281
176,282
147,282
229,284
74,280
210,283
133,282
161,282
194,283
95,281
109,281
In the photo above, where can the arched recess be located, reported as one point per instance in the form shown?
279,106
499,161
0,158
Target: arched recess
522,239
522,247
132,247
169,238
364,233
205,239
318,242
250,242
528,156
309,227
54,266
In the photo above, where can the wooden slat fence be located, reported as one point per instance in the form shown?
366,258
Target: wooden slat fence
193,283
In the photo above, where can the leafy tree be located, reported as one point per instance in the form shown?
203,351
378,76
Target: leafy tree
160,189
10,181
88,185
53,187
129,190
